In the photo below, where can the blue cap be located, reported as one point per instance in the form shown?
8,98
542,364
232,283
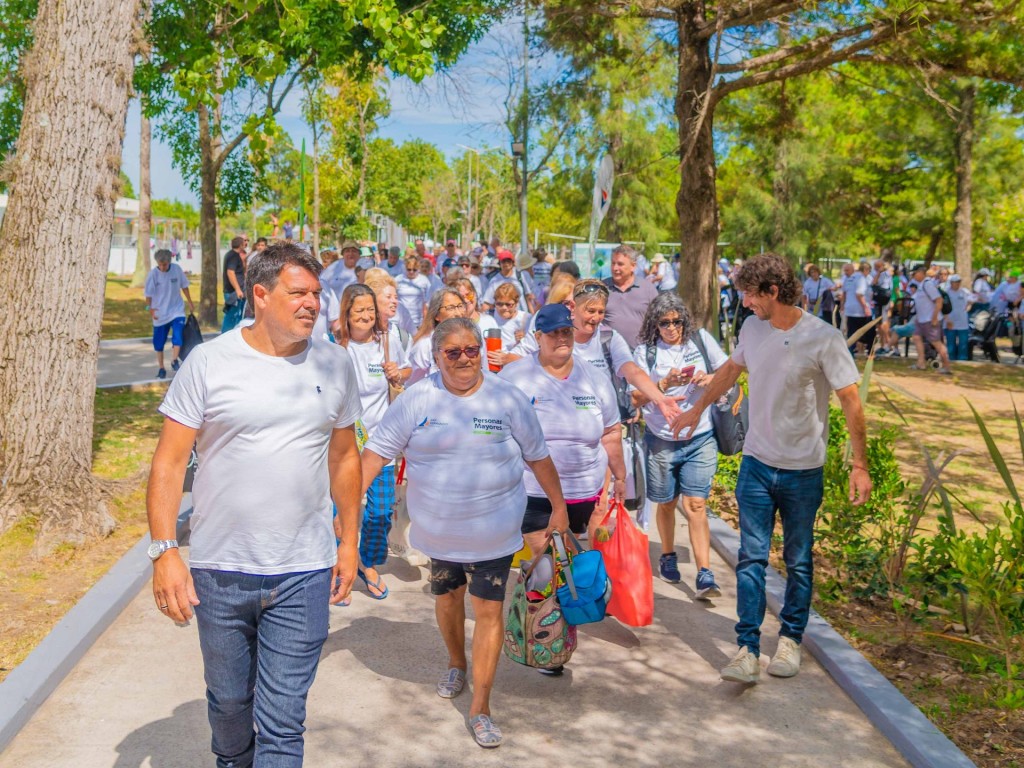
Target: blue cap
450,263
551,317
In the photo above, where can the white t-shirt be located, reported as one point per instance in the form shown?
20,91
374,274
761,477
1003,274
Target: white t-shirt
336,277
590,351
465,460
958,316
522,282
925,296
262,490
815,288
330,311
668,276
509,328
421,359
1006,293
791,375
982,290
395,270
413,295
854,286
679,356
164,292
368,359
486,323
575,413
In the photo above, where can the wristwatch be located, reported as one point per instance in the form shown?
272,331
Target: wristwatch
159,546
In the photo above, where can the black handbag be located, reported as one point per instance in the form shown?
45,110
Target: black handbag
191,337
731,419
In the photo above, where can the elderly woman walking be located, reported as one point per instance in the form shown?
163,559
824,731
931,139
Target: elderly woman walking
444,305
380,362
467,522
670,353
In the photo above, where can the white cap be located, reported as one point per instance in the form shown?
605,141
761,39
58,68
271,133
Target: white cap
954,278
366,263
984,271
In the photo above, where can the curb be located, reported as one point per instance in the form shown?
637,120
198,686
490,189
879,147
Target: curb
136,386
32,681
913,734
207,336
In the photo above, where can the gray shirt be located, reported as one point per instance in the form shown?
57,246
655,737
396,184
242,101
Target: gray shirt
626,308
791,375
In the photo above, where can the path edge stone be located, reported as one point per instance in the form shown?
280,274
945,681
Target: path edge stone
916,737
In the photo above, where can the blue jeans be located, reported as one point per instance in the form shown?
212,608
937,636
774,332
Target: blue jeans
956,344
795,494
261,638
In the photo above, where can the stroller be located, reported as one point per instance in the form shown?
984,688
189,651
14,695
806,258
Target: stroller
983,331
1015,331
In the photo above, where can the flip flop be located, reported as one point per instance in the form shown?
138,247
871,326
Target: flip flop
379,585
451,685
486,733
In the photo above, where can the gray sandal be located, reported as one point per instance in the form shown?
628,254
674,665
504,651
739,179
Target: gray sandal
486,733
451,685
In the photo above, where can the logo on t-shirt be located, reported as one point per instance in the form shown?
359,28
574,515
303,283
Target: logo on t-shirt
584,402
428,423
375,369
487,426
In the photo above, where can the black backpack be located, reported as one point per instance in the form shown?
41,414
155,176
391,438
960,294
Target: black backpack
947,303
627,410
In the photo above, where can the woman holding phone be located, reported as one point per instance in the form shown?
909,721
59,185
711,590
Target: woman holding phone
670,355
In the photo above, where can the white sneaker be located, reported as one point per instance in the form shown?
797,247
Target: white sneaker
786,661
744,668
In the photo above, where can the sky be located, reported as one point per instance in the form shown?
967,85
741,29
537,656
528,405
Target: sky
463,106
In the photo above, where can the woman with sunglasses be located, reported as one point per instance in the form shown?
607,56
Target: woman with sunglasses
467,522
363,332
444,305
669,354
468,293
592,337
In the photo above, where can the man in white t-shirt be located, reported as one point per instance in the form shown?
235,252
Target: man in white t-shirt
928,320
395,264
165,285
272,414
856,306
794,363
509,274
341,273
414,289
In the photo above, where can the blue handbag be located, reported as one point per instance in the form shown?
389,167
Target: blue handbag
584,596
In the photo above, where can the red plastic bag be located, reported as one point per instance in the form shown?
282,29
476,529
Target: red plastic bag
628,562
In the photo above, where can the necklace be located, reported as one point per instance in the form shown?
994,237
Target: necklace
677,356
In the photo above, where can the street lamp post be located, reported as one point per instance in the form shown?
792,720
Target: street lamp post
524,231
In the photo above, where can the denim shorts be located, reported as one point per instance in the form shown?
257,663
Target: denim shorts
487,579
680,467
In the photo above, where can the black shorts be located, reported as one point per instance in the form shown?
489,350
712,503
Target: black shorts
538,514
487,578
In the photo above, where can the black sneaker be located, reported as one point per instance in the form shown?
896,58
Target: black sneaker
706,586
162,373
668,567
175,364
553,672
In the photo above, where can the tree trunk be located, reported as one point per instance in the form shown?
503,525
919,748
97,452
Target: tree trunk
696,204
63,181
142,260
933,246
964,150
207,220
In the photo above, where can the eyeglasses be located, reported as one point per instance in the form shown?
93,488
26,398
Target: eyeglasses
677,323
453,307
453,354
505,303
590,288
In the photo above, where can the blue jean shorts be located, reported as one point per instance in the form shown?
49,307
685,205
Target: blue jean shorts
680,467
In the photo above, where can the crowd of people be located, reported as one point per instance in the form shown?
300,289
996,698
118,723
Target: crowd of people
505,391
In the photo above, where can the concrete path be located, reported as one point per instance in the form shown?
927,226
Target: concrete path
132,361
630,697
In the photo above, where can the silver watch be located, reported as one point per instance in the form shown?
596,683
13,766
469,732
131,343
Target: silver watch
159,546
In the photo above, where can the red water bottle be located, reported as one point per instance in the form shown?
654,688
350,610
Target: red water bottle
492,338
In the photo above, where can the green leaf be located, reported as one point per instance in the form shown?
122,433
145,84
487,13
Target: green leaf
996,454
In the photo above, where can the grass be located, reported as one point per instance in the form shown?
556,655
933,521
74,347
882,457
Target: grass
39,590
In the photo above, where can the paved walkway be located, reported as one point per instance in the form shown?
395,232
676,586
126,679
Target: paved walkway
132,361
630,697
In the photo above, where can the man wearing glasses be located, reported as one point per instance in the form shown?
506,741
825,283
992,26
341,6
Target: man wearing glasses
413,289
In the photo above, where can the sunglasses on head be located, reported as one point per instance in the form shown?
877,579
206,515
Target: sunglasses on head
453,354
590,288
676,323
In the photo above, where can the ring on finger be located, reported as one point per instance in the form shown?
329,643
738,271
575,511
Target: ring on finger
163,607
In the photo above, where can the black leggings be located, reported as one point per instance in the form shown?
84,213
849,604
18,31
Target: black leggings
538,514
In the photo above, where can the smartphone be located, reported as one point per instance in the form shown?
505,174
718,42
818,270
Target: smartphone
687,372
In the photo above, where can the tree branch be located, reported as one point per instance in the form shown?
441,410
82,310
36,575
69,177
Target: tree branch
883,32
748,14
812,46
943,68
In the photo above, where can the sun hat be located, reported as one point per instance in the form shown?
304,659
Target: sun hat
350,244
659,258
954,278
